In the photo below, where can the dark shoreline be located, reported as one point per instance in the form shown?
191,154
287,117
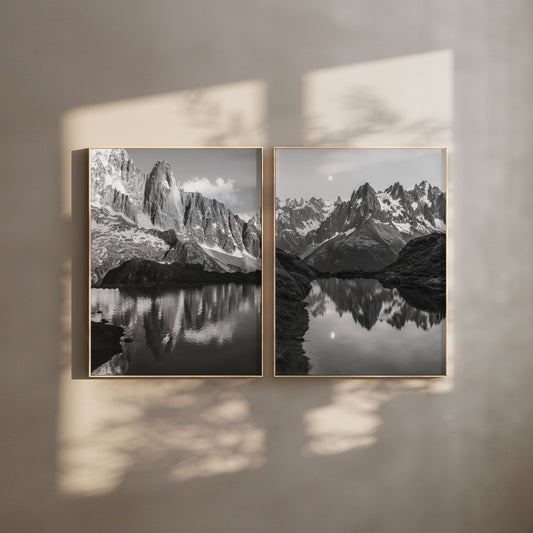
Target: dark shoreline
176,285
293,284
142,273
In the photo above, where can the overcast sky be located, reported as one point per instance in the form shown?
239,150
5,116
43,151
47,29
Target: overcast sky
331,172
231,176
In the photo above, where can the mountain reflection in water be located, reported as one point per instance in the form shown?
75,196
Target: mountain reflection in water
359,327
207,330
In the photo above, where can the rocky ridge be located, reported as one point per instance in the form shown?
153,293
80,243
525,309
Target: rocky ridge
368,231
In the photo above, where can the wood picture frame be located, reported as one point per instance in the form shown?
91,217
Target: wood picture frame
175,261
361,261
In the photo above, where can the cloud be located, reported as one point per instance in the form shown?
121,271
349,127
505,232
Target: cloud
220,189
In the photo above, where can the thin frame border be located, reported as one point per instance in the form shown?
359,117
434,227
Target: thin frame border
177,376
359,376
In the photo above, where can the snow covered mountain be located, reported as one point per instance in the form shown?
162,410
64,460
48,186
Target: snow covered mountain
367,231
150,216
296,218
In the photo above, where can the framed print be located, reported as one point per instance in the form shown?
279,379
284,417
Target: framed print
175,262
360,275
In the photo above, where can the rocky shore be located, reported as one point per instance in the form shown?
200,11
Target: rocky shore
293,283
105,343
419,273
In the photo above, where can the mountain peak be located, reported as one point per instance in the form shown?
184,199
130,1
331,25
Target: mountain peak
162,171
396,190
295,203
113,160
161,164
424,184
364,191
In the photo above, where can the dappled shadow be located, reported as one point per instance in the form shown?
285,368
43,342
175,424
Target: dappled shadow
364,114
367,115
352,418
403,101
197,444
206,110
136,435
145,434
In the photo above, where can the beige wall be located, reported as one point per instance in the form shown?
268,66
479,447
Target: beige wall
452,455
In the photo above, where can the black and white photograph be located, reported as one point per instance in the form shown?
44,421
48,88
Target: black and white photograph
360,237
175,262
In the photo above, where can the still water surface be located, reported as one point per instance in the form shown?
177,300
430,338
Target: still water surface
359,327
210,330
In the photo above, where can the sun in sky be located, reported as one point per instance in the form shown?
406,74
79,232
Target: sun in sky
330,178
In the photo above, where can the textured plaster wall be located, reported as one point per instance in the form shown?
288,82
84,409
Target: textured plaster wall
450,455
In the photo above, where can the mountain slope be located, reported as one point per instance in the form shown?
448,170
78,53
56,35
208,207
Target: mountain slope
370,246
116,182
296,218
421,263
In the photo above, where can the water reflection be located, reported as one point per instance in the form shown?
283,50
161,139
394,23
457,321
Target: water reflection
212,329
358,327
